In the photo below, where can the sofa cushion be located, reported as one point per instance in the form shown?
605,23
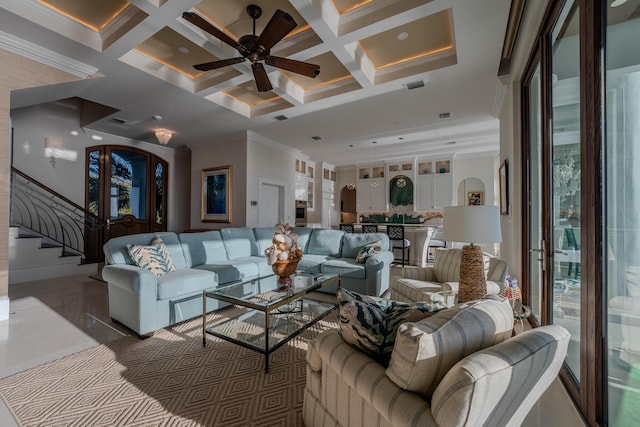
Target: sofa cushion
312,263
181,283
264,237
116,252
426,350
367,250
446,265
240,242
370,323
154,257
304,233
203,248
344,266
353,242
325,242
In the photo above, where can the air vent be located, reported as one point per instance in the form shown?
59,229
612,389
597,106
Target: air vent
414,85
281,117
316,138
117,121
451,143
444,115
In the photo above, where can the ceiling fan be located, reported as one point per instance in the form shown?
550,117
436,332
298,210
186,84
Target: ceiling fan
256,48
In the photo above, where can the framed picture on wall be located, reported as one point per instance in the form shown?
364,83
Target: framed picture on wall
504,188
474,198
216,194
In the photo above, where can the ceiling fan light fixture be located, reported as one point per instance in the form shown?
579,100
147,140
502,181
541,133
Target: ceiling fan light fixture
163,136
256,49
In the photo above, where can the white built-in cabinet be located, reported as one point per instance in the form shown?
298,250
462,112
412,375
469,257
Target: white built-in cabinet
305,181
434,184
328,208
371,186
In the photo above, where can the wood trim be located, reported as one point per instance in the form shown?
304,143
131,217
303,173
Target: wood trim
591,199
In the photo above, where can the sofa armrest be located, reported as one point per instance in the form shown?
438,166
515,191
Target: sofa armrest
426,274
367,378
131,278
379,260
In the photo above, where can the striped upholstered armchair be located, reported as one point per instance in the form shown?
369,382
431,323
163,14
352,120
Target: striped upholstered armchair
458,367
418,283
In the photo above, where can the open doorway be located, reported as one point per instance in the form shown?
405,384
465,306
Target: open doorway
348,212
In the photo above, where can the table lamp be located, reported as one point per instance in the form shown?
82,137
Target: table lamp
472,224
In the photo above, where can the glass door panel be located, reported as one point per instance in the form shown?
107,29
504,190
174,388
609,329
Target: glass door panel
621,246
565,180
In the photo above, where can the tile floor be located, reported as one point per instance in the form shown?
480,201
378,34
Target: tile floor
55,317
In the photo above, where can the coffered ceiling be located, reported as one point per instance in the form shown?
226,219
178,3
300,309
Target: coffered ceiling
141,53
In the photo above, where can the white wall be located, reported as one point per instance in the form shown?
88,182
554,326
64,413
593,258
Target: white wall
482,168
269,162
231,151
510,135
32,124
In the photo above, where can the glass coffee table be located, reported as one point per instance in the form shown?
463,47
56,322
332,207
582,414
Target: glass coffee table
274,314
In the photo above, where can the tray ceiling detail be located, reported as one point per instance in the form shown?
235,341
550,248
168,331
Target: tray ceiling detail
394,48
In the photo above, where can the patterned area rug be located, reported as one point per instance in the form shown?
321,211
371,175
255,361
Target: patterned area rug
166,380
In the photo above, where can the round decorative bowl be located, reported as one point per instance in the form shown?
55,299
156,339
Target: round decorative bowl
285,269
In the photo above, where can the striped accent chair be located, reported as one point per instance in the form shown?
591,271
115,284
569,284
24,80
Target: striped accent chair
419,283
487,380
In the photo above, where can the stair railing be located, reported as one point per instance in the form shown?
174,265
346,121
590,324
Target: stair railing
43,211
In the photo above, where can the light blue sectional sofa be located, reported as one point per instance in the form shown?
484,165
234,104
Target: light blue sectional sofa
206,260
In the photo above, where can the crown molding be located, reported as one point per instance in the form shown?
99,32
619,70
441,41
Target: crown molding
45,56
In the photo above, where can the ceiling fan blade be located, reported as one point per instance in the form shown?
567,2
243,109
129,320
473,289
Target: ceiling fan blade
200,22
280,25
298,67
218,64
260,75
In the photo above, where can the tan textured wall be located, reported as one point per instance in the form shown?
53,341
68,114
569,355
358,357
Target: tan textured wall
16,72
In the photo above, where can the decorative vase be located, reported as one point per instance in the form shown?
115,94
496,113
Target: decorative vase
284,269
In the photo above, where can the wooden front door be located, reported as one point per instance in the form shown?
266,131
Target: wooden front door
126,187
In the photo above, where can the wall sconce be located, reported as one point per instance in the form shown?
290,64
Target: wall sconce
52,149
163,136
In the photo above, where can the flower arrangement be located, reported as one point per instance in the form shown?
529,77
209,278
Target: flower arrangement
284,246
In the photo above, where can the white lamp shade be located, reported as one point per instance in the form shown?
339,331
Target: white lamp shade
472,224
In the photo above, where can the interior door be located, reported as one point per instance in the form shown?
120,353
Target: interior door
126,187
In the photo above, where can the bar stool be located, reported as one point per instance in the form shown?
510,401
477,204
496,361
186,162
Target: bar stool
347,228
396,236
369,228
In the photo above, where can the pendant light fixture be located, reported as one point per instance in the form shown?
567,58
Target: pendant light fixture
374,182
351,186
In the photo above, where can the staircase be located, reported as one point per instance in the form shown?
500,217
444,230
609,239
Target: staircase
32,257
49,234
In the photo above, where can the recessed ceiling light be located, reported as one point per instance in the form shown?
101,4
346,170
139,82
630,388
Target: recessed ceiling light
616,3
96,137
403,35
74,133
183,49
157,117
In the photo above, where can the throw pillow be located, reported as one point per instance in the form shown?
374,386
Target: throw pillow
367,250
155,258
370,324
427,349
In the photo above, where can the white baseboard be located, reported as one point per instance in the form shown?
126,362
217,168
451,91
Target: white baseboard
4,308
